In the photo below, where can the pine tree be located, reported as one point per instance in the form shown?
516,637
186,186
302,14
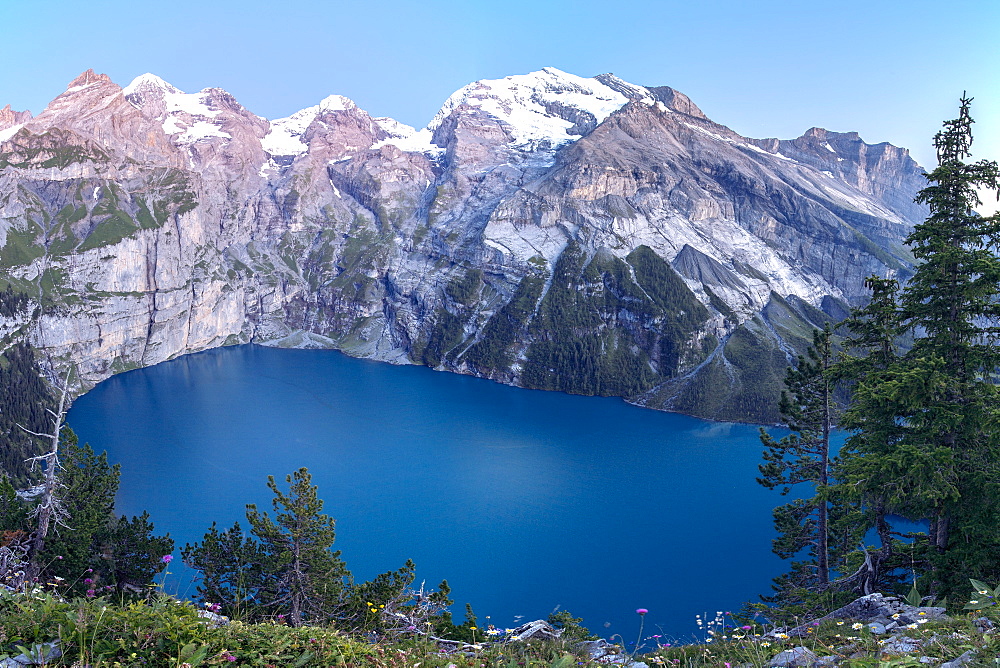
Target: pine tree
953,304
308,578
233,571
803,457
870,362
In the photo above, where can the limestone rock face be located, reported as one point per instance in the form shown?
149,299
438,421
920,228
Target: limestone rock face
545,230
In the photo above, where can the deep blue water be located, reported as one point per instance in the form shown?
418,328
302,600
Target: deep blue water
524,500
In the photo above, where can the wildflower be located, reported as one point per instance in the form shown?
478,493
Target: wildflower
840,623
922,621
167,558
765,644
88,581
921,614
911,626
984,593
782,636
91,593
59,558
896,616
973,602
857,626
746,628
641,611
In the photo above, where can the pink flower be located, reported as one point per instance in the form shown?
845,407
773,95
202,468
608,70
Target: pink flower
167,558
641,611
746,628
88,581
90,593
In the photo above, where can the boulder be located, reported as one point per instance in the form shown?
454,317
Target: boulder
797,657
885,611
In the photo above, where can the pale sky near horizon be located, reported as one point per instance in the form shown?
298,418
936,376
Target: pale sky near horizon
891,70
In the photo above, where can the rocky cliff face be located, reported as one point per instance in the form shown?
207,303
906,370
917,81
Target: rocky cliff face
544,230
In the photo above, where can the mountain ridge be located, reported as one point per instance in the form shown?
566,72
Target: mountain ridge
505,239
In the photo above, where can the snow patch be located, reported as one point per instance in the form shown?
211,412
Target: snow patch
286,134
10,132
146,82
522,102
405,138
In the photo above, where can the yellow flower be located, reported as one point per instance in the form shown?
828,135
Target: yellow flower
921,614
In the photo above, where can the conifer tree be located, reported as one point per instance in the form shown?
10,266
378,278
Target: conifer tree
307,577
803,457
926,441
952,303
870,363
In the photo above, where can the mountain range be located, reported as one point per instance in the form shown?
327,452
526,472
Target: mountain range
545,230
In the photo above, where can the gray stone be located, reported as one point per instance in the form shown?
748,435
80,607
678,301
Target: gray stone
41,654
214,620
960,661
876,628
886,611
901,645
983,625
536,630
826,661
797,657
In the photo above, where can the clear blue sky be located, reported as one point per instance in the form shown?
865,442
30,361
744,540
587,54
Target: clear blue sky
889,69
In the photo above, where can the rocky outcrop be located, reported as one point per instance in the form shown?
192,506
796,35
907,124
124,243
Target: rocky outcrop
544,230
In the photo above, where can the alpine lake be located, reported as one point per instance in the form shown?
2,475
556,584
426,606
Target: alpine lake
525,501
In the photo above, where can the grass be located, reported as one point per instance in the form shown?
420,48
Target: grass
161,631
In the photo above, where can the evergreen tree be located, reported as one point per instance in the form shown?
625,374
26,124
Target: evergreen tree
93,543
233,571
285,566
307,577
953,304
804,457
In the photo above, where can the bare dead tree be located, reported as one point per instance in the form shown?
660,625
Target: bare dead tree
50,508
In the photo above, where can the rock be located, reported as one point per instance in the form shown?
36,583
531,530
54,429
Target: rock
901,645
536,630
826,661
797,657
960,661
983,625
596,649
214,620
41,654
884,611
876,628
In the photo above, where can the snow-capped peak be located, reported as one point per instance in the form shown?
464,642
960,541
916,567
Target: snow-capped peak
285,136
148,82
188,117
548,106
336,103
